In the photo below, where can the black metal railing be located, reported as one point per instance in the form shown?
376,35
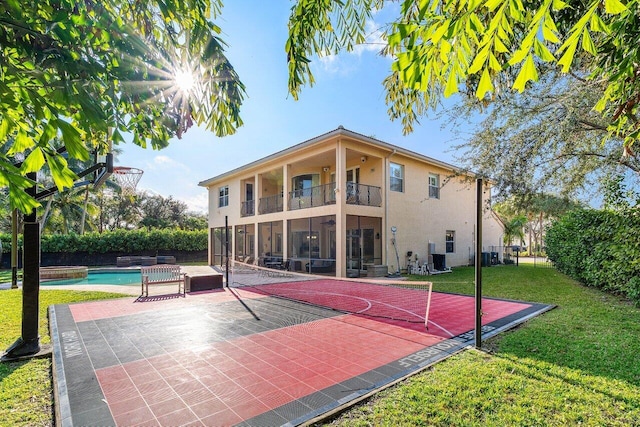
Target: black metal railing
248,208
361,194
270,204
312,197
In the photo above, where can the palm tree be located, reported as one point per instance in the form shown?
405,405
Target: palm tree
514,229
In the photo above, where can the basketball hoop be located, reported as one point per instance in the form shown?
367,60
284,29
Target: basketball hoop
127,179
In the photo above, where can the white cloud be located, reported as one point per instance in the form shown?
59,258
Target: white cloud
198,202
347,62
162,162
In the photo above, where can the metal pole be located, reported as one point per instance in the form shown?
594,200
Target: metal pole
14,249
478,264
29,343
226,247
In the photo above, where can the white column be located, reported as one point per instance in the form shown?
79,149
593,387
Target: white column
341,215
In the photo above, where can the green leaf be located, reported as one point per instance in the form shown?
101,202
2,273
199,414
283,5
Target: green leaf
452,84
22,143
494,63
518,56
559,5
5,128
549,33
34,161
567,58
62,175
587,43
479,60
542,52
597,24
73,141
493,4
441,31
20,200
485,85
614,7
528,72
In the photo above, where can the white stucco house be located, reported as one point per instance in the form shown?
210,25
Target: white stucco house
329,205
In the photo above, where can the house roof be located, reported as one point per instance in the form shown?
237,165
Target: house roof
340,131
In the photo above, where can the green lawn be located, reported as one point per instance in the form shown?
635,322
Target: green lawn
576,364
26,387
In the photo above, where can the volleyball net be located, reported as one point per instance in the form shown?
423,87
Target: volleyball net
384,298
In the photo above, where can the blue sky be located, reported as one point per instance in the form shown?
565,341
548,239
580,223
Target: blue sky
348,92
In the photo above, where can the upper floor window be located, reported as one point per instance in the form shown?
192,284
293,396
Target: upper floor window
396,178
223,196
450,241
434,186
302,184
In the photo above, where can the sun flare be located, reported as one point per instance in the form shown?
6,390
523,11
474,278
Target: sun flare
184,80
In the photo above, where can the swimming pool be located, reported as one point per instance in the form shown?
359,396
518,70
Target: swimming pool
129,277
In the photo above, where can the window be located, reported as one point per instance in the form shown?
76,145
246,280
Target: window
434,186
450,241
302,184
223,196
396,179
353,175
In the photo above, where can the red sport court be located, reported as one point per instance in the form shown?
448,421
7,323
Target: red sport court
275,354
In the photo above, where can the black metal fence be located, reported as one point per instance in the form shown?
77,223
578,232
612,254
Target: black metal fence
512,255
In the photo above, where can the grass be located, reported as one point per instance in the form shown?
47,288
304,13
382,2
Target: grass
576,364
26,396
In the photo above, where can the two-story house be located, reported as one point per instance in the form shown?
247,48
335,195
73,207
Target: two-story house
342,202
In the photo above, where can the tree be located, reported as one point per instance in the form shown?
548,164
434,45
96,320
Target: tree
117,212
484,49
532,215
513,229
547,140
84,73
160,212
67,212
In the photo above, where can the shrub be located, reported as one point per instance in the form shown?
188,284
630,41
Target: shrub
598,248
129,241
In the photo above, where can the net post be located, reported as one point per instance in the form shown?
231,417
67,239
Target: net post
478,265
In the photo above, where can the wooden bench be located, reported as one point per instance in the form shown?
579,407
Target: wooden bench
160,274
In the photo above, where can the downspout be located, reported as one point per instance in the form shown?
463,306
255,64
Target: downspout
386,207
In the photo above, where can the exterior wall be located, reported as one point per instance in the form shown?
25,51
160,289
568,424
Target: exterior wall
419,219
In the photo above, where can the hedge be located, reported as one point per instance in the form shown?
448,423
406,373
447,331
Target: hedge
126,241
599,248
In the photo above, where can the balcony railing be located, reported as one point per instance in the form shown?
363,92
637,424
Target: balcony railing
270,204
248,208
312,197
360,194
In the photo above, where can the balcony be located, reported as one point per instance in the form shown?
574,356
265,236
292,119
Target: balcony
247,208
366,195
270,204
312,197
